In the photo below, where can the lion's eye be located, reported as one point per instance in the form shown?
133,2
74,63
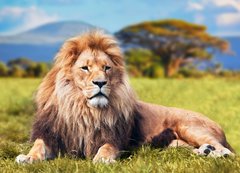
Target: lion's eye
107,68
85,68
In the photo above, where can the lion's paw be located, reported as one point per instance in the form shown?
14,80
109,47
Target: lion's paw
21,159
211,151
221,153
205,149
103,160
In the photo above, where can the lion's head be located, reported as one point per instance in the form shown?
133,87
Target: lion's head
94,64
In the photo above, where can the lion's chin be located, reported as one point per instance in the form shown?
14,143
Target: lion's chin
99,101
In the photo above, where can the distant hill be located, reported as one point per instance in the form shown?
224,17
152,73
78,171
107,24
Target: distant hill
41,43
48,34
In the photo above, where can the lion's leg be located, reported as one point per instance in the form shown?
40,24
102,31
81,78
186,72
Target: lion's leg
106,154
204,149
38,152
205,142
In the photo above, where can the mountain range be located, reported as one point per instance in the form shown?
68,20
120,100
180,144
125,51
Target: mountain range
42,43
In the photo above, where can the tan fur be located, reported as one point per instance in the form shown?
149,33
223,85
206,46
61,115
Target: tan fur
38,150
107,154
189,128
70,120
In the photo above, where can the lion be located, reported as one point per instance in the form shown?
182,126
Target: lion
86,108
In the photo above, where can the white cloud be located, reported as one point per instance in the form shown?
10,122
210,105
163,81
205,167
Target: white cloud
223,16
224,3
12,12
195,6
217,3
227,19
30,17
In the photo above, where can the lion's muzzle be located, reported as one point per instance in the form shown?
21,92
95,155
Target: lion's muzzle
99,97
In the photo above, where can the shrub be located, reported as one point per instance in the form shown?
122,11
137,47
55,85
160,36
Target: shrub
3,69
23,67
17,71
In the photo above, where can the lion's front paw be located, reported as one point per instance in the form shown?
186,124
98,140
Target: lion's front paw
25,159
103,160
106,154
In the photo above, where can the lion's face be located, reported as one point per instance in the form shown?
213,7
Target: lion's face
93,74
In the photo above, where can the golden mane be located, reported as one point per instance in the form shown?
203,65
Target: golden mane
61,104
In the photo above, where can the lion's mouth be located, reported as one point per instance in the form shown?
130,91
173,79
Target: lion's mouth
99,94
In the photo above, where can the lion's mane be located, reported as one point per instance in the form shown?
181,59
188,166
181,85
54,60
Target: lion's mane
64,120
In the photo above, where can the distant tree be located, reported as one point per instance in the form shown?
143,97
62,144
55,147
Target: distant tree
22,62
17,71
30,70
174,41
3,69
41,69
29,67
142,62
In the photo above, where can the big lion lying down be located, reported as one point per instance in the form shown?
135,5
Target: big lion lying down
86,108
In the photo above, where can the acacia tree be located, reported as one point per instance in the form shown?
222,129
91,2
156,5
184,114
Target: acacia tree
174,41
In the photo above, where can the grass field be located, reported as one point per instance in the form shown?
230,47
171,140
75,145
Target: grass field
217,98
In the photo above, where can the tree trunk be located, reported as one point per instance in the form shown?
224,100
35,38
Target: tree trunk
172,67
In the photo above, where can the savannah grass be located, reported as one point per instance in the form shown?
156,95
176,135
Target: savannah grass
219,99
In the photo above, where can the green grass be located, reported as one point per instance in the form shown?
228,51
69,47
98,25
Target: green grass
219,99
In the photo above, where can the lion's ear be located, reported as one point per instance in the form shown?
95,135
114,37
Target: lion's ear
116,55
68,54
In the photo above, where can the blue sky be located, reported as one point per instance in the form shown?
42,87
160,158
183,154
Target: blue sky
222,17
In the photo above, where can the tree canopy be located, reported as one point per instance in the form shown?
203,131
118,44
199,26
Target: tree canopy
173,41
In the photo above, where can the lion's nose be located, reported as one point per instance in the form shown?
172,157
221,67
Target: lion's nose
99,83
